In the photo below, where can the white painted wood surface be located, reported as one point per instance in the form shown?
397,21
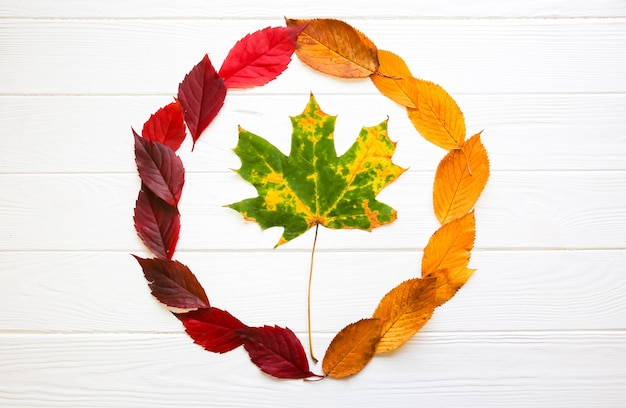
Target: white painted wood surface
542,322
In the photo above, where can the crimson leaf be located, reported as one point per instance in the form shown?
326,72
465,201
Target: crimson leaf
201,95
160,169
259,57
157,223
212,328
173,284
276,351
166,126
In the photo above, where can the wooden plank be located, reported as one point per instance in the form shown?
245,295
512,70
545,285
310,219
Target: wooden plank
521,132
574,210
85,292
466,56
518,369
347,8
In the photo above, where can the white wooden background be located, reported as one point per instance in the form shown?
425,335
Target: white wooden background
542,322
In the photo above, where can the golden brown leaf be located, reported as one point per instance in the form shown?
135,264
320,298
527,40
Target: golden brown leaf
447,255
394,80
404,311
460,179
437,116
335,48
352,348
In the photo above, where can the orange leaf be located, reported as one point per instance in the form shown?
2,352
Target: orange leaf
335,48
460,179
447,254
394,80
352,348
437,116
404,311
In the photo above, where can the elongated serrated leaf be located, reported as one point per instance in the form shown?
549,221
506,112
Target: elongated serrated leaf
312,185
437,116
460,179
201,94
336,48
447,255
352,348
276,351
404,311
173,284
160,169
166,126
157,223
212,328
394,80
259,57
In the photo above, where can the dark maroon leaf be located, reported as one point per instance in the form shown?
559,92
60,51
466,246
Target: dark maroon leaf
212,328
201,95
157,223
173,284
166,126
259,57
160,169
276,351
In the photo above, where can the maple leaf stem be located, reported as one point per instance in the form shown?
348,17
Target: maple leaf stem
308,305
469,168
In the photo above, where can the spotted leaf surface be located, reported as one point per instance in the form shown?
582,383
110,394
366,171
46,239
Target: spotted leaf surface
312,186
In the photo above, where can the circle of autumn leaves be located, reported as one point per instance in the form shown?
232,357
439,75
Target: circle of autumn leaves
295,193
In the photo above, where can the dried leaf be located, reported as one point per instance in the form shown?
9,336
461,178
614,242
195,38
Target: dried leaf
276,351
335,48
166,126
447,255
404,311
201,95
212,328
437,116
352,348
157,223
259,57
460,179
312,186
160,169
173,284
394,80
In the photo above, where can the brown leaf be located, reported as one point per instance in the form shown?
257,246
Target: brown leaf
335,48
447,255
394,80
404,311
460,179
437,116
352,348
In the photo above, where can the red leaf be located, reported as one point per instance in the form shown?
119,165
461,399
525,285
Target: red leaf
157,223
166,126
201,95
276,351
173,284
212,328
160,169
259,57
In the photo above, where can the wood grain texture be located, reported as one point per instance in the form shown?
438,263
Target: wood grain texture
521,132
120,56
541,323
518,369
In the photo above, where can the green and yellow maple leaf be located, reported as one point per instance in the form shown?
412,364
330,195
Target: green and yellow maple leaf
312,186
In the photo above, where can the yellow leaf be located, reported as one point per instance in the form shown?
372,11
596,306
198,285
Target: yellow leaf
447,254
393,79
437,116
404,311
460,179
352,348
335,48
